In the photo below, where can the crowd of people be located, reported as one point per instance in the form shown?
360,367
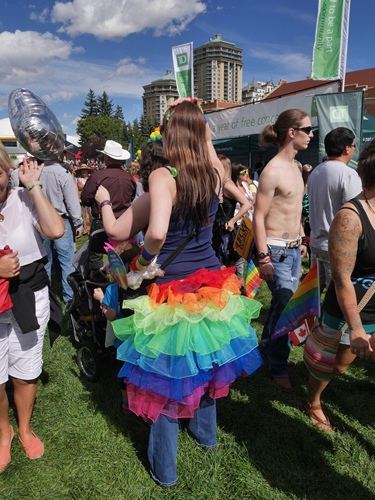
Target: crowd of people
186,340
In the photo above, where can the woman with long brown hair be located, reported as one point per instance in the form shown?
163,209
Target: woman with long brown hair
189,338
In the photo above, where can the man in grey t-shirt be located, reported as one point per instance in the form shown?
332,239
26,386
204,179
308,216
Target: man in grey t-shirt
329,186
60,188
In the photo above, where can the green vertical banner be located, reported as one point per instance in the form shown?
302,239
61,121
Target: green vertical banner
183,69
342,109
331,40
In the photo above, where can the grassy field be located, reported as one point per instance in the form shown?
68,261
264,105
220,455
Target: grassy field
267,448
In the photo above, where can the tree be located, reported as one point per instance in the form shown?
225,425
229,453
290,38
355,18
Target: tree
105,105
119,115
91,105
138,139
98,129
147,125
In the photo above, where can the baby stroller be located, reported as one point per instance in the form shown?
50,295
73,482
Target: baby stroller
87,324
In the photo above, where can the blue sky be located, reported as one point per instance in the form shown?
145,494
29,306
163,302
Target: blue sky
59,49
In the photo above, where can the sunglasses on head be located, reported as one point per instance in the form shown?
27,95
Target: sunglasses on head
307,130
244,172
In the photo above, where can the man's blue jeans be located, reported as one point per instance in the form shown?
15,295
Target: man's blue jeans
162,445
286,274
60,253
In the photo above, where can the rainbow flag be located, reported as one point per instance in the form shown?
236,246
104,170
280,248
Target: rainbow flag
252,280
304,303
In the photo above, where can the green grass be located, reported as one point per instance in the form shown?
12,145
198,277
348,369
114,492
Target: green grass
267,447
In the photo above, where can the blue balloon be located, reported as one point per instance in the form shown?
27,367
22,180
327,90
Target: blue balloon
35,126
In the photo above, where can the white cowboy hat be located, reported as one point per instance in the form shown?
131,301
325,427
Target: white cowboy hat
114,150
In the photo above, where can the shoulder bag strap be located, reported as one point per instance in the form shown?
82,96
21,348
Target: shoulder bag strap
367,296
178,249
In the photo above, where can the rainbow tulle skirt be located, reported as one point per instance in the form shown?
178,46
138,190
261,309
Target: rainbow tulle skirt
184,339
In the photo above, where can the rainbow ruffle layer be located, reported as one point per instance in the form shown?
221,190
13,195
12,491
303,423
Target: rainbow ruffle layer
186,338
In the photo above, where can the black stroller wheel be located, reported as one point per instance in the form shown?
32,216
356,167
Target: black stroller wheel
88,362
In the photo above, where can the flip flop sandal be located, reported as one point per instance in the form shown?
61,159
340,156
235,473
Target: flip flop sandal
309,410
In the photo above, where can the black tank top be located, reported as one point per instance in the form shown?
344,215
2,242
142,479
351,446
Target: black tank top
363,273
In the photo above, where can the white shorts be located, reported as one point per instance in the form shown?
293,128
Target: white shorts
21,353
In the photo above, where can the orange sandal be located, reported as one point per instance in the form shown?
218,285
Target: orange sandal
34,448
5,452
308,409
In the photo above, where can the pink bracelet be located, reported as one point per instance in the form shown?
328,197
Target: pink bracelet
265,260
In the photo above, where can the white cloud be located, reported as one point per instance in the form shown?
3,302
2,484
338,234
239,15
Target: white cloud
126,67
42,17
292,60
59,96
24,55
272,62
115,19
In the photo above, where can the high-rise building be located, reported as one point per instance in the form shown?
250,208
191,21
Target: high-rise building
158,95
218,71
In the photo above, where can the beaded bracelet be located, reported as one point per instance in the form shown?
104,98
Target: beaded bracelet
105,202
33,184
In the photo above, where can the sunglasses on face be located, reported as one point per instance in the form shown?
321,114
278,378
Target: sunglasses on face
244,172
307,130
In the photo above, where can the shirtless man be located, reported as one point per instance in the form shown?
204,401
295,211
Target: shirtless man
278,231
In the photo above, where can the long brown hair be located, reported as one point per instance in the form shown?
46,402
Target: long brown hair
276,134
184,139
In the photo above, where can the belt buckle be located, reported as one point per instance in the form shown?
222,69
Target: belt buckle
295,243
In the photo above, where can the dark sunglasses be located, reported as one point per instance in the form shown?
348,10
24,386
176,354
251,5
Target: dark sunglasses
307,130
244,172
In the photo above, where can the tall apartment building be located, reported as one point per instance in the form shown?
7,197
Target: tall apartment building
218,71
158,95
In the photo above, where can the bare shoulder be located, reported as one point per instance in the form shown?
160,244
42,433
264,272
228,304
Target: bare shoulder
162,174
270,174
161,182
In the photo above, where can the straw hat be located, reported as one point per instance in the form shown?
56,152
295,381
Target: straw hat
83,166
114,150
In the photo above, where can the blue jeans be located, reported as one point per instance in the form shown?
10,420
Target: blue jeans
286,274
60,253
162,444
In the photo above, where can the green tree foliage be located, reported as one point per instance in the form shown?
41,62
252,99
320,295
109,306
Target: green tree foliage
99,123
91,105
119,115
98,129
105,105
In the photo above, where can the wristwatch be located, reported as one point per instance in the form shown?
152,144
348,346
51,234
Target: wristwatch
263,255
